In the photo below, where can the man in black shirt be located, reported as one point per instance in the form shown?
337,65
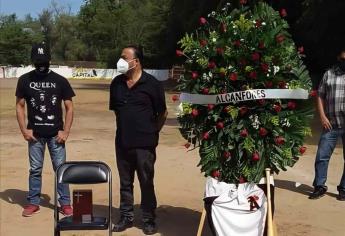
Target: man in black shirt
138,101
43,91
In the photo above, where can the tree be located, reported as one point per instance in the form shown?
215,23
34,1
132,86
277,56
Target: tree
15,41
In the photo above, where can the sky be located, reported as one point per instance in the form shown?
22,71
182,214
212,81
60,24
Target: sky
34,7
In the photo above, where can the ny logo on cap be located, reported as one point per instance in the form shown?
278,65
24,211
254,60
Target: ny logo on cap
40,51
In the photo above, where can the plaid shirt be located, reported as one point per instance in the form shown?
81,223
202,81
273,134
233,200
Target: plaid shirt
332,91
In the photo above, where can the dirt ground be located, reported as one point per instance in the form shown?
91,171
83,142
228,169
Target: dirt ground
178,182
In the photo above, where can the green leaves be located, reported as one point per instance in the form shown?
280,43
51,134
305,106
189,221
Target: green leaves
254,52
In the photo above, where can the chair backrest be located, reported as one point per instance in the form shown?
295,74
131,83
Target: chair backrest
83,172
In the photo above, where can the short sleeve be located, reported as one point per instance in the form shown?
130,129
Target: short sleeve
20,93
323,86
159,101
67,91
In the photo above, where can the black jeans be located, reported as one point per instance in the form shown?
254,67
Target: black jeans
141,160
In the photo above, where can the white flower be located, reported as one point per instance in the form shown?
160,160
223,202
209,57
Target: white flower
210,74
214,40
255,121
213,13
286,123
242,40
276,69
263,23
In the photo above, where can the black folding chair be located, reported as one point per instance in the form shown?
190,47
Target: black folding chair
82,172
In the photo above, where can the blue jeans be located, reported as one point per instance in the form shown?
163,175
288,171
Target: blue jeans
57,153
328,141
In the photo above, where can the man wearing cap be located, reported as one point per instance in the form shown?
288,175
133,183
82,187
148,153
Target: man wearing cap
43,91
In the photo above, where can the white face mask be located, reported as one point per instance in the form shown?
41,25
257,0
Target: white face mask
123,66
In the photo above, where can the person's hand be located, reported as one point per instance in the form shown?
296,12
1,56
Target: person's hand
62,136
28,135
325,123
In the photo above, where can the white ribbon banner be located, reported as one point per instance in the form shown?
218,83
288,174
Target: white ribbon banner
246,95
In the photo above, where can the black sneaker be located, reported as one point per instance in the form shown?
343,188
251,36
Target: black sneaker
123,224
341,196
149,228
319,191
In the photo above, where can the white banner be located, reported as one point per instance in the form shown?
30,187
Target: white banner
78,73
246,95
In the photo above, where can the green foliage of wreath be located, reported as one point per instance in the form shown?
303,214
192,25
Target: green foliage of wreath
235,50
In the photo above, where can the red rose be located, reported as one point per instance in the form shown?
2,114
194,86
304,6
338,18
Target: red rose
279,140
263,132
242,180
301,50
261,45
264,67
268,84
258,23
226,155
211,64
206,136
233,76
255,56
195,112
243,110
291,105
187,145
203,42
174,98
195,75
205,90
313,93
283,12
220,125
280,38
262,102
242,2
255,156
244,133
282,84
179,53
277,107
253,75
220,51
237,43
223,27
302,150
216,174
210,107
202,21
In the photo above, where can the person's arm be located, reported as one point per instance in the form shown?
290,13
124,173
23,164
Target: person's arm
161,119
324,120
320,102
63,134
20,113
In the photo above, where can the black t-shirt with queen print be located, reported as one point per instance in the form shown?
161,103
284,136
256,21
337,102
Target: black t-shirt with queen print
44,95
